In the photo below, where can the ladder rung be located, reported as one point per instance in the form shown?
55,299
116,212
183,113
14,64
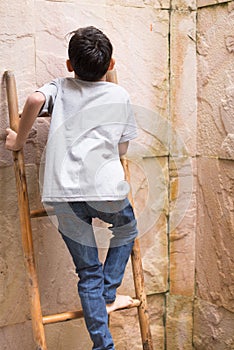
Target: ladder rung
41,212
64,316
72,315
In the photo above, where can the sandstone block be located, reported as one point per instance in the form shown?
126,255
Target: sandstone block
155,260
182,187
213,327
179,323
214,242
215,83
58,287
182,226
149,181
153,133
151,206
183,82
144,67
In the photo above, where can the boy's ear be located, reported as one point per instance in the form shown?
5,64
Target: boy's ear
112,64
69,66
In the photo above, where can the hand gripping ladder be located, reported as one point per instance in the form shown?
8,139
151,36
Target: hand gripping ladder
38,321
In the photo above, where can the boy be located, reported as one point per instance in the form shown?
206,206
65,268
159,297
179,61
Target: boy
91,125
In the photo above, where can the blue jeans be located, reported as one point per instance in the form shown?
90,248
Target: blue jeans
97,283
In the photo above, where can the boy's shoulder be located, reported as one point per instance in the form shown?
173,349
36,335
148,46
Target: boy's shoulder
75,83
118,91
117,88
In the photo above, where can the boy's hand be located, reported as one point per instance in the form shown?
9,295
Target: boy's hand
11,142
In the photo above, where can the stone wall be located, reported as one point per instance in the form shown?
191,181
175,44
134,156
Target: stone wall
214,306
176,60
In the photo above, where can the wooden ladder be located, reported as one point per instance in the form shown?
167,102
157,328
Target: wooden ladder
38,320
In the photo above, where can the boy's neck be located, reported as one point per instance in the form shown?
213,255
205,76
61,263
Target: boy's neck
102,79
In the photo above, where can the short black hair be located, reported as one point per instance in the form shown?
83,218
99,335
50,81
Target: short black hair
90,52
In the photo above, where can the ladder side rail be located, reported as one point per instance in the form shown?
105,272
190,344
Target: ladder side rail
138,277
25,223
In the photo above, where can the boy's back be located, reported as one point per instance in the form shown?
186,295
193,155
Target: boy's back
89,120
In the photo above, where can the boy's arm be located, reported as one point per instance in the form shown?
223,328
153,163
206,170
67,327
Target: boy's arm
15,141
123,147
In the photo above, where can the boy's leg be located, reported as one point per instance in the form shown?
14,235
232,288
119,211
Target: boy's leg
90,288
90,272
120,215
114,269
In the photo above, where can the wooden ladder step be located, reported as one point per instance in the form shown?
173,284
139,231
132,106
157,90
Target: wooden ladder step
72,315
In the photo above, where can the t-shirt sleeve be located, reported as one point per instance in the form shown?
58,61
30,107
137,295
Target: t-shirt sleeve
130,129
49,90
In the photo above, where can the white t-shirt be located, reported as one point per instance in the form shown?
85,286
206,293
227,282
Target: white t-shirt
89,120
